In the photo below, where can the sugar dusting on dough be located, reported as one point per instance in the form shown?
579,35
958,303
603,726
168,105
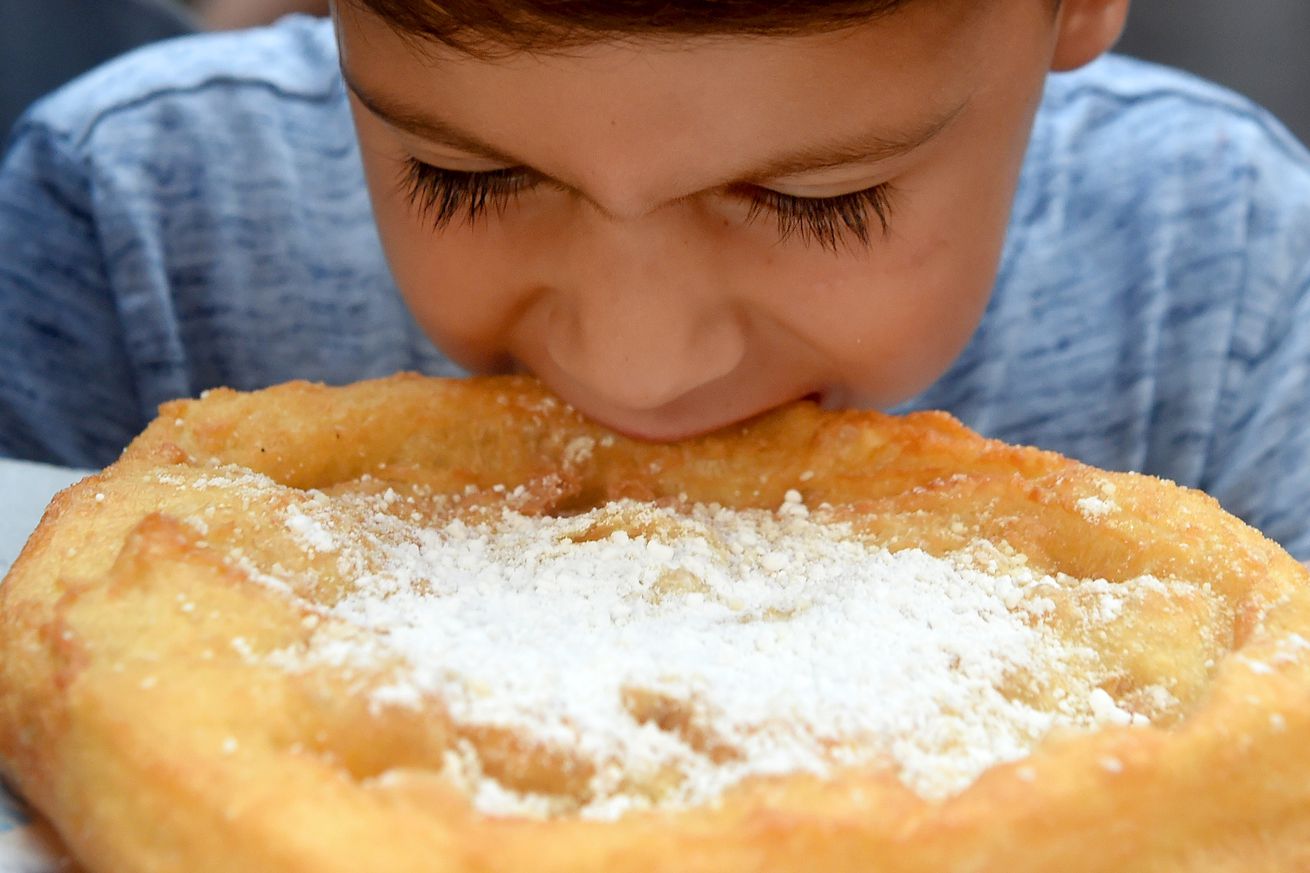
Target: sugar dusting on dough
693,647
1094,508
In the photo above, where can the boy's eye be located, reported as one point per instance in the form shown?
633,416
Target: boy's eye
442,196
828,222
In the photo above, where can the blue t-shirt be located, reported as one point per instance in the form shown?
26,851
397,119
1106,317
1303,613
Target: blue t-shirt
195,215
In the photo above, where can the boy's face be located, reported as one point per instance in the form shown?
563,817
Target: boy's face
660,242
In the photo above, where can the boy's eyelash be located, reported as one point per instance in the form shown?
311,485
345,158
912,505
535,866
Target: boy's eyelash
441,196
826,221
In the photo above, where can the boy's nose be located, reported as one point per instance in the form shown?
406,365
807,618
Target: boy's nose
638,331
642,354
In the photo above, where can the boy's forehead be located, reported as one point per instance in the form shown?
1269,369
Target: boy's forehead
647,102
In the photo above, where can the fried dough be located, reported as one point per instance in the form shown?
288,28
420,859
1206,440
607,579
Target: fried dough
417,624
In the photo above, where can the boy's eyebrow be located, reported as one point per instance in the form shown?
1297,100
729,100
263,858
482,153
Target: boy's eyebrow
869,148
424,126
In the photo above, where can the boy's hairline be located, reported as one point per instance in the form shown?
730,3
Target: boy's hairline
498,27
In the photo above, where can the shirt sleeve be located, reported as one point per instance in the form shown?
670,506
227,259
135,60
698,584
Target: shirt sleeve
1259,463
1261,458
66,391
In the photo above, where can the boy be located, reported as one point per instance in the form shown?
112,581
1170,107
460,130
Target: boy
678,215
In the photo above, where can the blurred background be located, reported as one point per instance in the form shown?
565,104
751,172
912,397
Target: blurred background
1258,47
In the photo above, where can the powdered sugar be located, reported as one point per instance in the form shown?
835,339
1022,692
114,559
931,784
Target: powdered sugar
310,531
1094,508
673,652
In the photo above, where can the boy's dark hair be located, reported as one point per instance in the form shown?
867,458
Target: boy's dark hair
482,26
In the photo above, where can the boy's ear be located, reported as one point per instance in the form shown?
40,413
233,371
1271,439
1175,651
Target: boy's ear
1087,29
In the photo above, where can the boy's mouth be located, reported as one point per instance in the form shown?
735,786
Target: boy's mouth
673,424
829,398
702,411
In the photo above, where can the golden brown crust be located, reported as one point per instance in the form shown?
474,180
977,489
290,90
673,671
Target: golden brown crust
153,745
